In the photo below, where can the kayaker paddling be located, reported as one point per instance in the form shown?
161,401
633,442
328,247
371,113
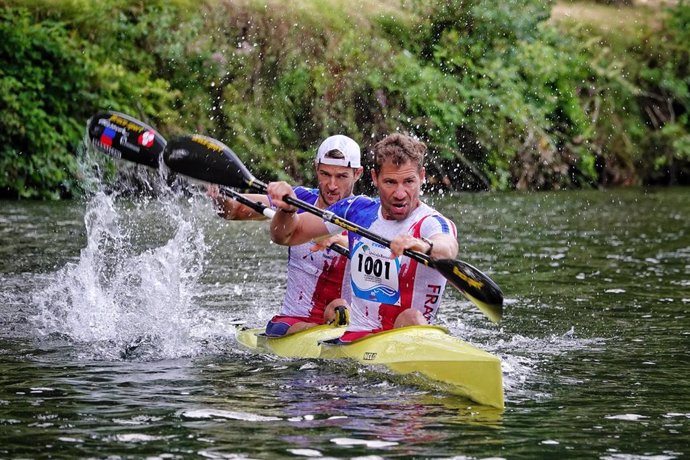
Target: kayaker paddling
317,291
390,290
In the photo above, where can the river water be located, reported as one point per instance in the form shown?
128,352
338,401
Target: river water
116,336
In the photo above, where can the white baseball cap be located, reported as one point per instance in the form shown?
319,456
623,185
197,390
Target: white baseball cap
345,148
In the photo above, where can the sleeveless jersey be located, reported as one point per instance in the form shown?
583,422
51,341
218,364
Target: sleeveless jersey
383,287
313,278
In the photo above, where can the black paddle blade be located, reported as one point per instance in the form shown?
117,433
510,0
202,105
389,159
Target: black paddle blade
475,285
122,136
208,160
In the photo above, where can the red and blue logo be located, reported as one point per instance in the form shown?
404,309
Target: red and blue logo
107,137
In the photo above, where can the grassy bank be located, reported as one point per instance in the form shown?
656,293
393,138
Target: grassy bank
509,95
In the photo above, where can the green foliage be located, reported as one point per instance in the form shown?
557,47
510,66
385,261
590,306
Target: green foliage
665,91
503,98
50,83
37,103
498,92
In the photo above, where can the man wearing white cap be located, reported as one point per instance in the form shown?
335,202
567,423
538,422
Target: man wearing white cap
316,283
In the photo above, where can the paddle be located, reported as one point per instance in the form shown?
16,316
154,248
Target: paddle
122,136
207,159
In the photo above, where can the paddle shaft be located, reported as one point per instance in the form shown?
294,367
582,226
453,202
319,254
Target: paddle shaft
347,225
255,205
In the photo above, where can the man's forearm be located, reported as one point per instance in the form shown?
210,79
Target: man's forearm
283,226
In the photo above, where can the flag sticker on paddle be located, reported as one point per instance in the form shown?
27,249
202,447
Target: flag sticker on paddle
121,136
147,138
107,137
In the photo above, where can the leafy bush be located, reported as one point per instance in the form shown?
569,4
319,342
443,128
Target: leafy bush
503,98
50,83
496,94
664,82
38,104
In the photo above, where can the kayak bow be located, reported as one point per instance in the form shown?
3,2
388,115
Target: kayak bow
425,350
429,351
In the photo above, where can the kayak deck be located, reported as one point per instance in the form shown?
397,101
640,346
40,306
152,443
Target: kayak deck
303,344
425,350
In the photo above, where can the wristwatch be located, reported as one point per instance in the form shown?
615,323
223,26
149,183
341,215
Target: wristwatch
431,245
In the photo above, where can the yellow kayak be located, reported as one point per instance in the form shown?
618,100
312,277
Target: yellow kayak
425,350
430,351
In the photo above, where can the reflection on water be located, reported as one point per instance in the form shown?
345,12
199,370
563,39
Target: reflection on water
116,337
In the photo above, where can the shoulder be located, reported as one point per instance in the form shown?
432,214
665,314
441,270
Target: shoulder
310,195
354,205
435,222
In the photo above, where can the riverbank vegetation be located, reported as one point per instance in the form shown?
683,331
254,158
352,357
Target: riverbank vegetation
517,94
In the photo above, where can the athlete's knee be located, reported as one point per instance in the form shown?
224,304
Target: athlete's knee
410,317
297,327
277,328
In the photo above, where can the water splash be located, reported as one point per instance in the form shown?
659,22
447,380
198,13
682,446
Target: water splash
131,293
122,301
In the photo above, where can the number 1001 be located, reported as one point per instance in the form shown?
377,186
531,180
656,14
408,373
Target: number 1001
369,265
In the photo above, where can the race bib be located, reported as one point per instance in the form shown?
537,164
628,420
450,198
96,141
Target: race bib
374,273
